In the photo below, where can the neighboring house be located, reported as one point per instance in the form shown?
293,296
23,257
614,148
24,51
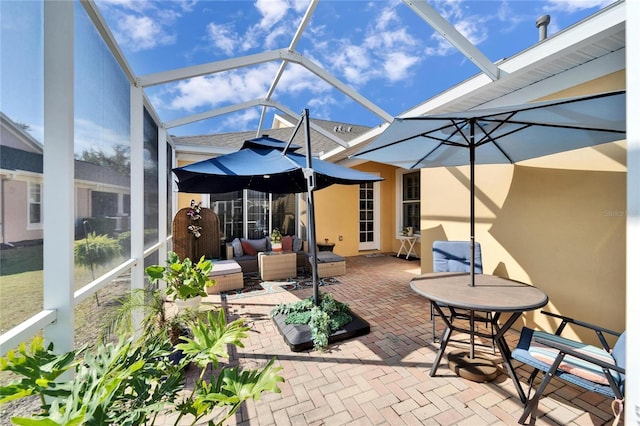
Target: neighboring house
100,193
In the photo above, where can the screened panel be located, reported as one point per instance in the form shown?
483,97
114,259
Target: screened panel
102,174
21,139
150,181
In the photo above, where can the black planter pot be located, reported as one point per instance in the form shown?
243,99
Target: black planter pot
176,356
298,337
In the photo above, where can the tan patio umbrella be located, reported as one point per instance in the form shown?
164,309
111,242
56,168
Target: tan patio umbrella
499,135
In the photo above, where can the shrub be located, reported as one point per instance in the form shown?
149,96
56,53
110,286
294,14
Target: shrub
95,250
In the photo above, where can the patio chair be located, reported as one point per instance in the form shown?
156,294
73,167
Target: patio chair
600,370
454,256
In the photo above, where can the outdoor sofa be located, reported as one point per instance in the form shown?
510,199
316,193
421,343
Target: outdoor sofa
245,251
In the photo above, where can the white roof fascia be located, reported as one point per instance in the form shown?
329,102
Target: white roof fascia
453,36
20,134
608,64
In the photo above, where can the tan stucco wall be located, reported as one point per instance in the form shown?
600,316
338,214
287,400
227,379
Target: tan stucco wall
558,223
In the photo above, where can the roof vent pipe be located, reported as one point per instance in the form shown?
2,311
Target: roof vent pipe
542,23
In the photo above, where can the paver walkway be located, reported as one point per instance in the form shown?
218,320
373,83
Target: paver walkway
383,378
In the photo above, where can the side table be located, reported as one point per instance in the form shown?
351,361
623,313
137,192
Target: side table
277,265
326,246
406,245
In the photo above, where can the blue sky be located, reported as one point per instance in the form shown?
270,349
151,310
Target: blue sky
380,48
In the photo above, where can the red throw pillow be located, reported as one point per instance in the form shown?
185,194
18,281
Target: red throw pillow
287,243
248,249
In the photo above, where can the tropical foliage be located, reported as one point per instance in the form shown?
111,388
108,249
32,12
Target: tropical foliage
325,318
184,278
133,381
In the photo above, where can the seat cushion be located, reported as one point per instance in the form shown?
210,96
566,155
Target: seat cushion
225,267
454,256
328,257
571,364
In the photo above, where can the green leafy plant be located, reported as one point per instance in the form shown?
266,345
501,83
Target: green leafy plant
184,279
325,318
95,249
132,381
156,320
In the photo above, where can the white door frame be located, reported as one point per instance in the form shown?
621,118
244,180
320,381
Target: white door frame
375,244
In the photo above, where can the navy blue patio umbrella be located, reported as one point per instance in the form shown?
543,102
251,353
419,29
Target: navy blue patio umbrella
270,165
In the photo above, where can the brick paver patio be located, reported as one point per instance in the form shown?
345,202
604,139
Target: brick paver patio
383,378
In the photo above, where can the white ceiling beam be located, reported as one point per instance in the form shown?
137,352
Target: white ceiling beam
209,68
453,36
283,65
212,113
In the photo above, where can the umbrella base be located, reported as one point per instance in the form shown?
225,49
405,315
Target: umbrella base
298,337
477,369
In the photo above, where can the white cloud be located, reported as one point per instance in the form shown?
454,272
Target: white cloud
385,40
571,6
297,79
241,120
223,88
144,25
222,37
141,33
398,64
272,12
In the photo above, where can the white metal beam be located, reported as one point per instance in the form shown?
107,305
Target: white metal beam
453,36
209,68
283,65
58,166
632,384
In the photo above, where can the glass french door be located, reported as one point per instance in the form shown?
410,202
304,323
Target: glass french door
369,213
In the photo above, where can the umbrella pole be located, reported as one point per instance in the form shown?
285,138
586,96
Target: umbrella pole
311,215
472,191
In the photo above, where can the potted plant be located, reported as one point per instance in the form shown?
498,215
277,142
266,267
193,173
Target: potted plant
156,319
322,320
276,240
186,282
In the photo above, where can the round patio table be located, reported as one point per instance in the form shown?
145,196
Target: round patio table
491,294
